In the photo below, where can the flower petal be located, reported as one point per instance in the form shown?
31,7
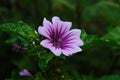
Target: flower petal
73,37
68,25
77,33
71,50
47,28
46,23
57,23
42,31
47,44
56,51
25,72
79,42
55,19
60,27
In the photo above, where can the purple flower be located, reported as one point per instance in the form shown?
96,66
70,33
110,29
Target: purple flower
25,72
59,38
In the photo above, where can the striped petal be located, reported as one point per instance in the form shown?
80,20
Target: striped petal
47,44
77,40
43,32
71,50
60,27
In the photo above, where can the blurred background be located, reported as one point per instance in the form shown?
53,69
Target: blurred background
96,17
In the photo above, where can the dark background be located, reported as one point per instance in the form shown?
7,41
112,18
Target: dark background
96,17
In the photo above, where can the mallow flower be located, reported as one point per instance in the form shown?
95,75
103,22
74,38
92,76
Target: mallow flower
59,38
25,72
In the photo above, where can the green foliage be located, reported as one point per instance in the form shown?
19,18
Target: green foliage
44,58
111,77
19,28
113,35
17,39
89,40
109,11
24,63
39,76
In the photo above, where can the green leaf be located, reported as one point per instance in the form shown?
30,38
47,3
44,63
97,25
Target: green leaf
11,41
35,50
19,28
87,39
83,35
39,76
111,77
113,34
17,39
44,58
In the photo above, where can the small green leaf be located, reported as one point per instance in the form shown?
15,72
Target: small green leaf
113,34
83,35
17,39
11,41
44,58
87,39
19,28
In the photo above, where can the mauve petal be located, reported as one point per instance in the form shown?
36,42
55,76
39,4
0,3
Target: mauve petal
73,37
25,72
71,50
64,27
56,25
56,51
77,32
42,31
79,42
47,29
47,44
55,20
68,25
46,23
60,27
59,23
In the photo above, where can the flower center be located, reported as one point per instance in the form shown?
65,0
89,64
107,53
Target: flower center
57,43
